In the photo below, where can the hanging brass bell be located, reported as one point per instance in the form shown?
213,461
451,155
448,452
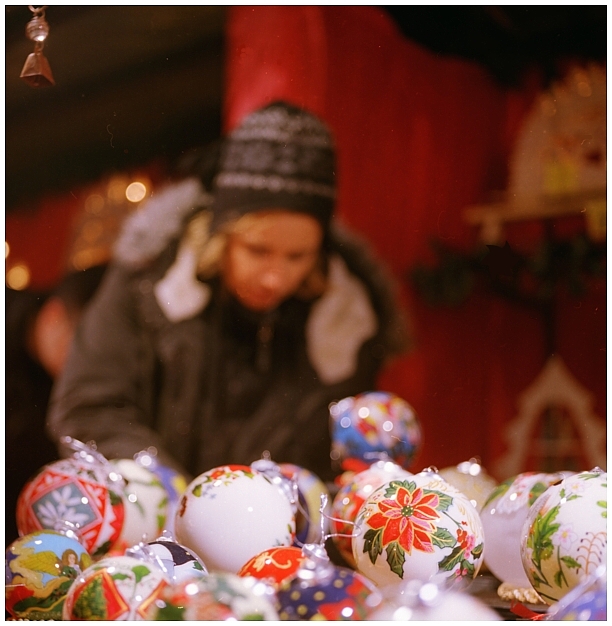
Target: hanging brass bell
36,71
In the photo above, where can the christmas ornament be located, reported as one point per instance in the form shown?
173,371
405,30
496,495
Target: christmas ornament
36,71
471,479
176,562
231,513
174,483
310,488
503,516
275,565
40,568
217,597
146,503
415,600
323,591
418,527
353,493
564,537
586,602
118,588
83,490
370,424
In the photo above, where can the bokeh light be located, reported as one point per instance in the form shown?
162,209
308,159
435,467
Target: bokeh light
18,277
136,191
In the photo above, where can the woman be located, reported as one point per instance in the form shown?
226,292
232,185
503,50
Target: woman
229,321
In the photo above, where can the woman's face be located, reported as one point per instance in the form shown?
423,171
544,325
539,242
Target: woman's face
267,261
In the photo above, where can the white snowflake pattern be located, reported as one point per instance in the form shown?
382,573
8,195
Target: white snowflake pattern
51,514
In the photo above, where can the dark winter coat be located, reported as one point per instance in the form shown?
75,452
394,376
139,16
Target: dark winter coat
213,383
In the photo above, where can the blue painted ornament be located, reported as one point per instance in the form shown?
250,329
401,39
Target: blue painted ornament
323,591
40,569
371,426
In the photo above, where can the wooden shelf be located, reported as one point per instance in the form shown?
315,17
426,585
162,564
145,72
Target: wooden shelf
492,217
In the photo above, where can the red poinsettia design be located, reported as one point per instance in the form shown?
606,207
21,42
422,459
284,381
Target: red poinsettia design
407,519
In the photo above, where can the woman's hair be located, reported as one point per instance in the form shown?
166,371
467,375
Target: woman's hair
211,250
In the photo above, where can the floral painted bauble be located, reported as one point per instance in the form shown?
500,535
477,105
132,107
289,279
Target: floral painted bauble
503,516
217,597
231,513
275,565
420,601
74,491
174,483
349,498
564,538
146,503
417,528
308,517
118,588
176,562
471,479
374,424
586,602
323,591
40,568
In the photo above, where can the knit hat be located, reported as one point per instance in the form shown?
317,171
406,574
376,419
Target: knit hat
280,156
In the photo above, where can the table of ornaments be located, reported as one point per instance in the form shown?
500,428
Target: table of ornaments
129,539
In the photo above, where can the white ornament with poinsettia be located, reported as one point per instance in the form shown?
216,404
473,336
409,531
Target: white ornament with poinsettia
418,528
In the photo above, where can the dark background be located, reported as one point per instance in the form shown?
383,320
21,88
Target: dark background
136,84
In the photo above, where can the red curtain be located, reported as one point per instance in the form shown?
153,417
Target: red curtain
420,137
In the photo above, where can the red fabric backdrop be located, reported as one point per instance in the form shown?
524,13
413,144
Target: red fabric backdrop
419,138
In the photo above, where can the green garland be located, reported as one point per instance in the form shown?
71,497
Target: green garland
529,280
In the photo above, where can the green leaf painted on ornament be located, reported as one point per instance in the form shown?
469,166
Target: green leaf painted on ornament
540,537
115,498
604,505
396,558
442,538
161,521
394,485
468,566
140,571
450,561
570,562
253,617
170,613
372,544
477,551
445,500
103,549
558,578
197,490
119,576
536,491
499,491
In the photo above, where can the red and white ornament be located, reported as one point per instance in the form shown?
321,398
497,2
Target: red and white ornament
350,497
118,588
419,527
79,492
275,566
